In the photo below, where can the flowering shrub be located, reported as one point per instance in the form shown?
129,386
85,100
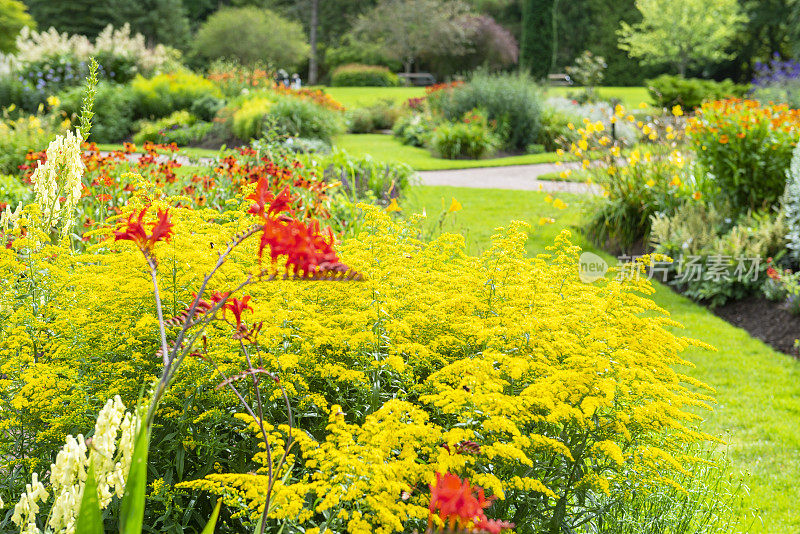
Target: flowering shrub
23,133
730,250
161,95
472,138
747,147
636,182
512,101
181,128
349,407
777,82
668,91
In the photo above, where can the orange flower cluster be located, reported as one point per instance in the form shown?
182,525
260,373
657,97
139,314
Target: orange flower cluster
461,505
133,229
307,248
317,96
723,116
435,88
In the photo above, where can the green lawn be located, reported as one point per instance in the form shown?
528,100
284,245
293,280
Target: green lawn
758,389
354,97
631,97
387,148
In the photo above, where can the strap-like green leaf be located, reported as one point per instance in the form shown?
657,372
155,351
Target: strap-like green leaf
212,522
90,518
132,507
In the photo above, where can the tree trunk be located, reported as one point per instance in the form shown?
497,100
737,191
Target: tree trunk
312,38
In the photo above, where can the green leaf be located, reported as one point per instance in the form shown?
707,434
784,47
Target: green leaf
258,525
90,518
132,507
212,522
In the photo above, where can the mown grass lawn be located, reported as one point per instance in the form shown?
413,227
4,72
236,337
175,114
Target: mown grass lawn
631,97
757,389
387,148
353,97
357,97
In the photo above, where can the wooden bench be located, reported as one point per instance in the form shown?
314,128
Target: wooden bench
559,79
419,79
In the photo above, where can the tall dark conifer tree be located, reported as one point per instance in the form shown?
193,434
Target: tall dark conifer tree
536,39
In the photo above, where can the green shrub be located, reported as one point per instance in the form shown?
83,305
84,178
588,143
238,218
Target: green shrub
380,116
512,101
113,108
354,51
414,129
356,75
471,139
301,118
206,107
12,191
699,235
555,132
248,121
359,121
363,178
791,206
24,134
181,128
22,94
747,148
161,95
251,36
668,91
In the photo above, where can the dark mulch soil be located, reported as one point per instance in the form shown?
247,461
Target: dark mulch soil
768,321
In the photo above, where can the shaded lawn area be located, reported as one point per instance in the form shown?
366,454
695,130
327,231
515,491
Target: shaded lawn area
387,148
757,389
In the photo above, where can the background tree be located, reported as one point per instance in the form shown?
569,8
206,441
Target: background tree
13,17
160,21
683,33
536,39
409,29
84,17
252,36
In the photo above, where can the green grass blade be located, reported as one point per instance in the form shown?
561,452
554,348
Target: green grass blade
90,518
132,507
212,522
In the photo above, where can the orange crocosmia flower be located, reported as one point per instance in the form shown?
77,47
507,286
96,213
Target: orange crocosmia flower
697,195
133,230
460,505
723,139
237,307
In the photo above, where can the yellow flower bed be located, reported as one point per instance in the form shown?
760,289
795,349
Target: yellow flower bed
550,393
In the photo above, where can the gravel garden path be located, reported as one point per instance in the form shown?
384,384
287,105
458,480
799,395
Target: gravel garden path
521,177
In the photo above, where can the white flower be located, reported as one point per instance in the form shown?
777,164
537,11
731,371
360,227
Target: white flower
110,453
60,177
8,219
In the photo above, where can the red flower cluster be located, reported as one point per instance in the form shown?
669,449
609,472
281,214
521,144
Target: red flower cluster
307,248
133,230
461,505
237,307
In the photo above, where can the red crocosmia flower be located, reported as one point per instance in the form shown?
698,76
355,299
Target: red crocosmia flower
460,504
237,307
133,230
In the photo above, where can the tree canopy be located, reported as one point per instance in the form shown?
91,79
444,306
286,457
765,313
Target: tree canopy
682,34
